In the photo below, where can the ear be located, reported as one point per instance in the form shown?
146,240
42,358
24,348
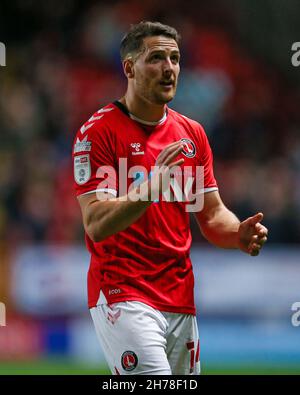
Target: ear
128,67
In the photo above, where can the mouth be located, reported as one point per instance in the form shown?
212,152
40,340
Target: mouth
167,83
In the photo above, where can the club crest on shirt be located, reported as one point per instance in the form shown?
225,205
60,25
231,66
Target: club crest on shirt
82,169
189,148
129,360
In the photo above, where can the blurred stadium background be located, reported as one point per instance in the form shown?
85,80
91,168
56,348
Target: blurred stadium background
238,81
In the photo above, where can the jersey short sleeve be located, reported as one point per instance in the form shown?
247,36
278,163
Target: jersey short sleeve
206,160
94,164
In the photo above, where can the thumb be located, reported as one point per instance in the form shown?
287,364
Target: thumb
255,219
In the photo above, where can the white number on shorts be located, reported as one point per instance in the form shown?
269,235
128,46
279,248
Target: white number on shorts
191,347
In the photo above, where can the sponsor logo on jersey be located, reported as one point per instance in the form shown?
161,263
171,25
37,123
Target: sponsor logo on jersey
83,145
114,291
189,148
82,169
129,361
137,149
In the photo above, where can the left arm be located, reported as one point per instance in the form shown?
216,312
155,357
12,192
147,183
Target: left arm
223,229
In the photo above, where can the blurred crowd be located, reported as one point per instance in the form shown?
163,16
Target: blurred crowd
63,64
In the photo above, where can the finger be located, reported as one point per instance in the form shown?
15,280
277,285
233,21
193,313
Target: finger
256,218
177,163
253,246
256,246
166,151
174,143
254,252
169,147
258,238
254,238
172,155
261,230
262,241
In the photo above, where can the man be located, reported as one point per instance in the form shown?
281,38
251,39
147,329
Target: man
140,281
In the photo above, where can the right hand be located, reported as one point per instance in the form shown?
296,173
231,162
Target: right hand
160,180
252,235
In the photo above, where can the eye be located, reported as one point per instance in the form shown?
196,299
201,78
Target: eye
175,59
156,57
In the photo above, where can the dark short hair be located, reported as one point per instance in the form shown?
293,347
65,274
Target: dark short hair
132,42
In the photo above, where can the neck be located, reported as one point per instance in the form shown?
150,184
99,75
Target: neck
142,108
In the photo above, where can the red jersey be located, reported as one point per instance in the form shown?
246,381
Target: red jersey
149,261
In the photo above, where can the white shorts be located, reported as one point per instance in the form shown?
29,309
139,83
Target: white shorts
138,339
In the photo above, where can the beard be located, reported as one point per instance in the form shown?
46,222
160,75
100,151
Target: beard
154,93
157,96
162,98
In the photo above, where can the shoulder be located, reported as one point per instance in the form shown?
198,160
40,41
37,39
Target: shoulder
97,131
101,119
99,124
193,126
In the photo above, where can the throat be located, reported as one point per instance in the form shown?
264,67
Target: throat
148,123
144,112
123,107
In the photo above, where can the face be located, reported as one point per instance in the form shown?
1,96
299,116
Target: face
156,69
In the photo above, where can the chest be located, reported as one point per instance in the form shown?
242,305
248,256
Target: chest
139,147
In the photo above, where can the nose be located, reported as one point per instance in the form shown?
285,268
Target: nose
167,64
167,68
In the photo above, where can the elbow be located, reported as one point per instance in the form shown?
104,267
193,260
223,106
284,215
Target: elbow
95,234
95,221
96,238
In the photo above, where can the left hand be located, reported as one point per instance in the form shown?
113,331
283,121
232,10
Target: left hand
252,235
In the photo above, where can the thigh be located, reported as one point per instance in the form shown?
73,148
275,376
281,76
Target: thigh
133,338
183,346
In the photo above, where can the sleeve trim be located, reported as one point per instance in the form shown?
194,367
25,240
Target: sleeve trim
211,189
108,190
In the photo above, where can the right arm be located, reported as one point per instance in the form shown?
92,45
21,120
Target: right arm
104,215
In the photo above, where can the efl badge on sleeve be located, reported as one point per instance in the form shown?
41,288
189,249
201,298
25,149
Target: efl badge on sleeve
82,169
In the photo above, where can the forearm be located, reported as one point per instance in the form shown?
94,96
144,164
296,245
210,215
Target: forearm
103,218
108,217
221,228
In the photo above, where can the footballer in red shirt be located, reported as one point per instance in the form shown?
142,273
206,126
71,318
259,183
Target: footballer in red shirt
140,168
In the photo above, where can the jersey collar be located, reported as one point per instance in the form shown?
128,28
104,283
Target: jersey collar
147,123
